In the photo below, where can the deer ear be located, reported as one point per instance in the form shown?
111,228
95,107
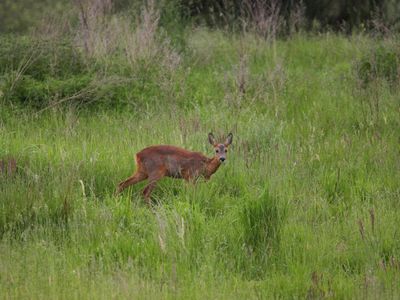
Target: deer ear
211,139
228,140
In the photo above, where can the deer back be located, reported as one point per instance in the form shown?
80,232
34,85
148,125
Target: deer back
172,161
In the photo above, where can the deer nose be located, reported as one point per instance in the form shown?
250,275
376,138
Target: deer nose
222,159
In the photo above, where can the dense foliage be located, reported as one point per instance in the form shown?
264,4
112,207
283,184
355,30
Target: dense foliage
20,15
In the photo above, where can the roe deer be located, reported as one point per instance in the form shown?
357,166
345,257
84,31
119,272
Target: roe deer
156,162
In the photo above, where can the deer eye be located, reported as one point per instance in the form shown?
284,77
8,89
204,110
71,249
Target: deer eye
226,150
217,151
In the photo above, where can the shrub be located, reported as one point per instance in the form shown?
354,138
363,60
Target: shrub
38,93
381,63
40,58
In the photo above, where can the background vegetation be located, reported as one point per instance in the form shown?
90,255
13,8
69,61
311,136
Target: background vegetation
307,205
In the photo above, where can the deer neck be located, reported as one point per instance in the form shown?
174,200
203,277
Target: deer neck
212,166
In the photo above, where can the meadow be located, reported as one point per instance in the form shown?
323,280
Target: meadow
306,205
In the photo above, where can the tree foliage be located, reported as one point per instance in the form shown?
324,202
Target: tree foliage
22,15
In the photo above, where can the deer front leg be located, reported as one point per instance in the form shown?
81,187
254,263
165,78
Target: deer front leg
147,191
153,178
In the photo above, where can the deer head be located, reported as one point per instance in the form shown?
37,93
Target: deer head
220,149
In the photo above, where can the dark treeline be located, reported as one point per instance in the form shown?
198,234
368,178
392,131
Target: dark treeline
326,14
21,15
329,13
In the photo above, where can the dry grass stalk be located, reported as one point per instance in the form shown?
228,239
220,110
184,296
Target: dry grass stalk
162,231
297,19
242,74
145,44
102,35
8,166
264,17
142,43
91,15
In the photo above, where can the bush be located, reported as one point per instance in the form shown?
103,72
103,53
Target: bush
37,93
40,58
381,63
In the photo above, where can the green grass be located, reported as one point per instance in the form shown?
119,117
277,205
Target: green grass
306,206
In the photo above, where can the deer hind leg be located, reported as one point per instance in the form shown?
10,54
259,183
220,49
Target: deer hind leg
135,178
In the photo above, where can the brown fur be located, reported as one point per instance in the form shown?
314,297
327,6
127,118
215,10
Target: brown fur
156,162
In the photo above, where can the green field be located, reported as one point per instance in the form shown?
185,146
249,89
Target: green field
306,206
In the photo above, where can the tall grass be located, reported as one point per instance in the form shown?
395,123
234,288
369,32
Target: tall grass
306,206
